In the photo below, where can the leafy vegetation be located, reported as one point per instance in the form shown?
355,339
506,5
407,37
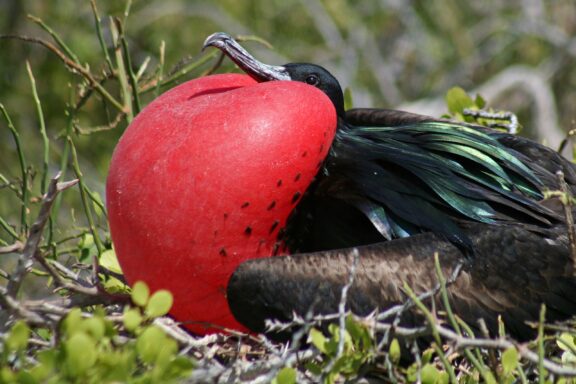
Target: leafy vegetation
73,75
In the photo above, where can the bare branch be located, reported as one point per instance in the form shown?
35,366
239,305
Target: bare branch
32,243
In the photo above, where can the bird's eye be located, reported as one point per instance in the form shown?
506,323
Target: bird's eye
312,80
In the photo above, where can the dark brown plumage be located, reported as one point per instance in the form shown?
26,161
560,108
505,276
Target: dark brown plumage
514,270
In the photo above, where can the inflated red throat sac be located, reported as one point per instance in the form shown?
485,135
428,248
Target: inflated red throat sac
205,178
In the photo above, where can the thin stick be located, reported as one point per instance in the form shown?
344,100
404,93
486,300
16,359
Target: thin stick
566,201
56,38
23,171
84,198
36,230
45,141
71,65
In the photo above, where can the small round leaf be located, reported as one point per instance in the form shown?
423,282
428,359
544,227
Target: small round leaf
73,321
159,304
509,360
109,261
429,374
18,337
394,351
149,344
93,326
286,375
80,353
140,293
132,319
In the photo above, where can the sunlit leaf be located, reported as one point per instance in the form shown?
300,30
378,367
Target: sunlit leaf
286,375
17,339
140,293
159,304
80,353
132,318
509,360
317,339
394,351
109,261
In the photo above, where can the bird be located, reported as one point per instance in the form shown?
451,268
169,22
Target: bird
397,188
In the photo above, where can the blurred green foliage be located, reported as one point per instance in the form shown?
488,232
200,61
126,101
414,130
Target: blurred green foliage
95,350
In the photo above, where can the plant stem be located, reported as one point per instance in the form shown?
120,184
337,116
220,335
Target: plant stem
87,210
23,170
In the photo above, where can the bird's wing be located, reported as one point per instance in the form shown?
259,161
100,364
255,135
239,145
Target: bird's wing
515,270
426,174
544,161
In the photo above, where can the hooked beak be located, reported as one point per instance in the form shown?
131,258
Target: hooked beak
258,71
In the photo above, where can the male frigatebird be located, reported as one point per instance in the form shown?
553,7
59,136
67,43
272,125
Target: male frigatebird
400,187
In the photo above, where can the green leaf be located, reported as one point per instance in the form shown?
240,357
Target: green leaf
286,375
167,352
109,261
18,338
490,379
94,327
317,339
314,367
149,342
427,355
86,241
509,360
348,102
480,102
132,318
97,203
457,100
81,353
113,285
159,304
73,320
26,377
394,351
501,327
140,293
44,333
566,342
46,365
429,374
443,377
6,375
359,333
179,367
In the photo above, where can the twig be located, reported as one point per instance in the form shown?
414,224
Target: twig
342,315
397,310
71,65
16,247
56,38
98,22
9,303
566,201
36,230
84,198
45,141
511,127
570,134
171,328
23,171
462,342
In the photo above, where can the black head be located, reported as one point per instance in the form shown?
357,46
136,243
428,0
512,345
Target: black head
310,74
320,78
